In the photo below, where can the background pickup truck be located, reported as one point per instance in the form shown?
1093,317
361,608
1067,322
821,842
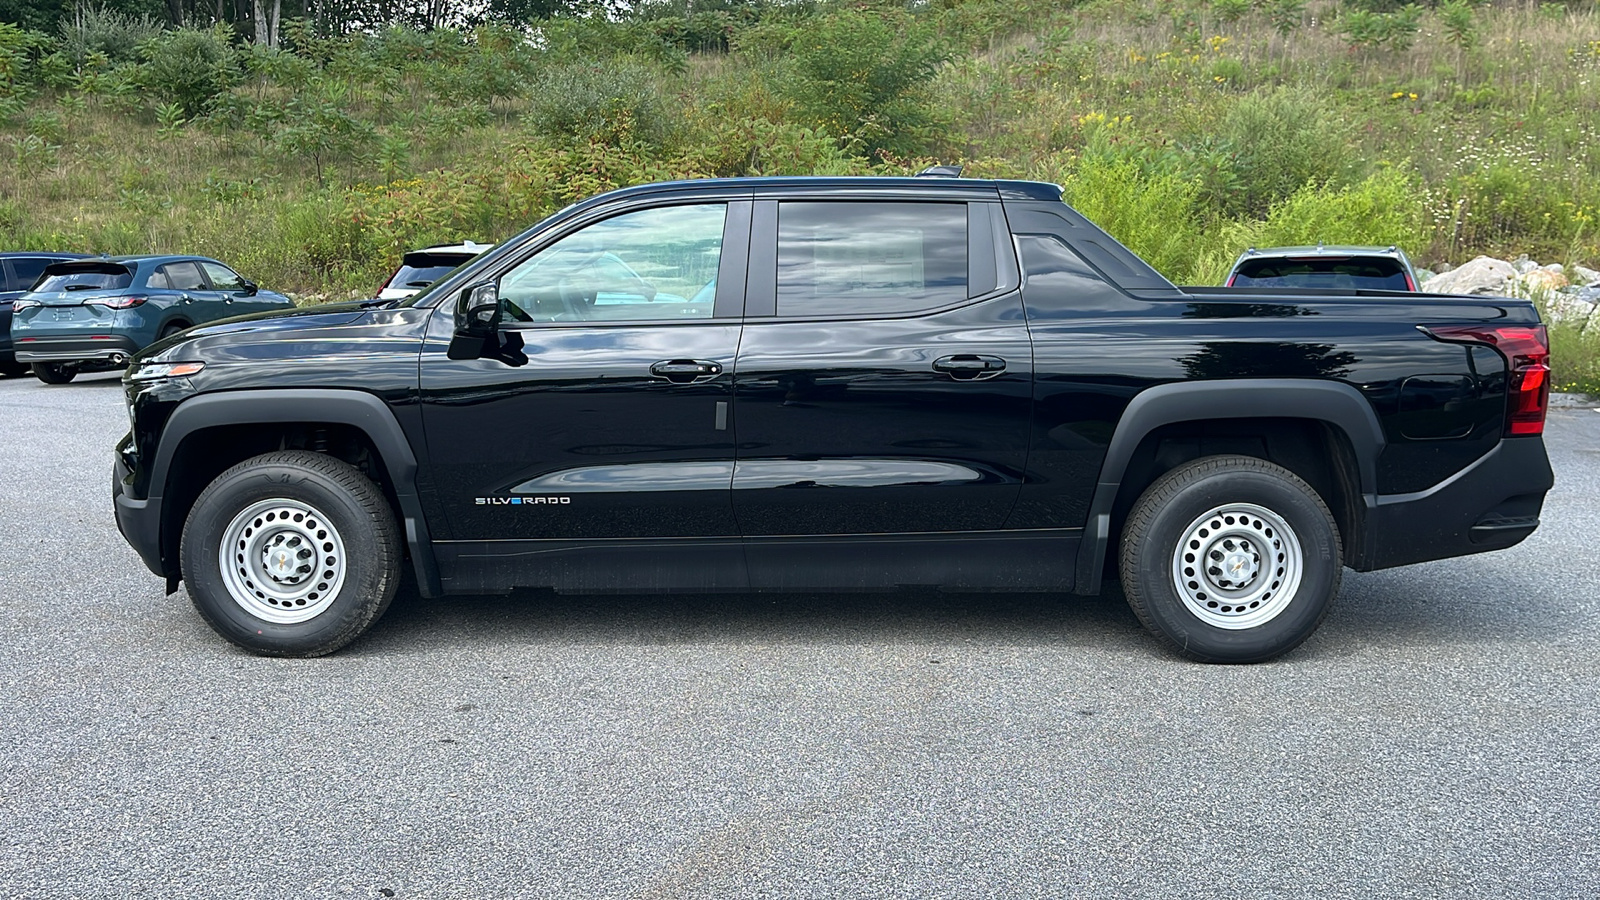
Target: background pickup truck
878,383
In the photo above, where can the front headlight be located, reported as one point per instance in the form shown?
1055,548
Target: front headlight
157,371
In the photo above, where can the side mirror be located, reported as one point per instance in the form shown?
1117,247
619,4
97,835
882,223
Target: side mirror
478,311
248,287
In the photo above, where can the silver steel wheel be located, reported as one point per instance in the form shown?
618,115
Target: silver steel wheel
282,561
1237,566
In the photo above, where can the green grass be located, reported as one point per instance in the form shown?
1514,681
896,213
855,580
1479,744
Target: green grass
1189,128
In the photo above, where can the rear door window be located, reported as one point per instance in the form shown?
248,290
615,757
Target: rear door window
845,258
1333,273
183,276
85,276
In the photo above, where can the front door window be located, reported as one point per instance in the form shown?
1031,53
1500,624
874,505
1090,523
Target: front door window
652,264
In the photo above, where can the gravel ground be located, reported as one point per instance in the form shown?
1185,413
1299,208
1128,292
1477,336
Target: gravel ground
1437,738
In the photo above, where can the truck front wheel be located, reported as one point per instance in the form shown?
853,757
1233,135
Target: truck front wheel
291,554
1230,559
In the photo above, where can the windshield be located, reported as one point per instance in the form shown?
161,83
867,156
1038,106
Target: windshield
1379,273
96,276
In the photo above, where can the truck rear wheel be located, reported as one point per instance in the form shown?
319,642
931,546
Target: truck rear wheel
291,554
1230,559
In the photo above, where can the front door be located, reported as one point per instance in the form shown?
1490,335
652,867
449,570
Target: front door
603,424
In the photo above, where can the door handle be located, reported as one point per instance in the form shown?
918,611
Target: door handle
969,366
686,371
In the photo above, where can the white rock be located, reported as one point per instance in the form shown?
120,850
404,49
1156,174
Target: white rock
1567,308
1523,264
1557,268
1545,279
1587,277
1484,275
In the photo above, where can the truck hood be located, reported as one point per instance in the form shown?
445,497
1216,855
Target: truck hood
255,328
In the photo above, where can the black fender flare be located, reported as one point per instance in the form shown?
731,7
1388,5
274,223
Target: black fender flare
1334,402
358,409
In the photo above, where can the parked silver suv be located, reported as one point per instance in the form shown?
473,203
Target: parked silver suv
1324,266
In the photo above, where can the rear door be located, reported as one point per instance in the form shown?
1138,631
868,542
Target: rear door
884,376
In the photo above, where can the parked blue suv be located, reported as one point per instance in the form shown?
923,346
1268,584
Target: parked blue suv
18,272
90,315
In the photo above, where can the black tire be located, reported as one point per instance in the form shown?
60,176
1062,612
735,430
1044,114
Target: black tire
170,329
13,369
1248,558
54,373
365,553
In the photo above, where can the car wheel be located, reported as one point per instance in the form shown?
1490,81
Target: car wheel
54,373
1230,559
291,554
171,329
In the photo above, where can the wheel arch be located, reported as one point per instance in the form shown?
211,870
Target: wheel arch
353,425
1351,437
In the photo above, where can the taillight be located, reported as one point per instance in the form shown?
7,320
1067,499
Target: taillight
388,281
21,305
123,302
1527,351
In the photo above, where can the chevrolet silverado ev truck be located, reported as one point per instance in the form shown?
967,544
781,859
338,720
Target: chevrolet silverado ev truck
821,384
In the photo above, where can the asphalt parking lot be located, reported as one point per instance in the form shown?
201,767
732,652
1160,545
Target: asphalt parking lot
1437,738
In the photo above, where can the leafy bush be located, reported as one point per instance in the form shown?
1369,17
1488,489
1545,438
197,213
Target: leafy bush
190,66
863,77
101,29
1152,215
1368,29
20,52
615,103
1282,139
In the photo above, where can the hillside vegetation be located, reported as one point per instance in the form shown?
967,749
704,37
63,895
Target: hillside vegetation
1190,129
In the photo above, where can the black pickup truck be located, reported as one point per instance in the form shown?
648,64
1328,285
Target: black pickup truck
810,384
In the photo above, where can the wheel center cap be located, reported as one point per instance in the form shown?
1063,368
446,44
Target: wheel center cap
282,562
1238,567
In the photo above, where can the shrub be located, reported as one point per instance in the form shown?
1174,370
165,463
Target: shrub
101,29
1283,139
863,77
190,66
1152,215
1385,209
614,103
1369,30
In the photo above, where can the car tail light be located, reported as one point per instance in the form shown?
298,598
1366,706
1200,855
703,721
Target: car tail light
128,301
21,305
388,281
1527,351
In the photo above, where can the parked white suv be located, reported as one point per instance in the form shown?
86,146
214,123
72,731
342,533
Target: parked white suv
421,268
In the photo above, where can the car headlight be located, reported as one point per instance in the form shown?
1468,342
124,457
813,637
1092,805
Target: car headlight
157,371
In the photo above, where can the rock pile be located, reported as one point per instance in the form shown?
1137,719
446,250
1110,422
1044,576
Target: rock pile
1567,294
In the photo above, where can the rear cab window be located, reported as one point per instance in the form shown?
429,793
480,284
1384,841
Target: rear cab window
841,258
98,275
1333,273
